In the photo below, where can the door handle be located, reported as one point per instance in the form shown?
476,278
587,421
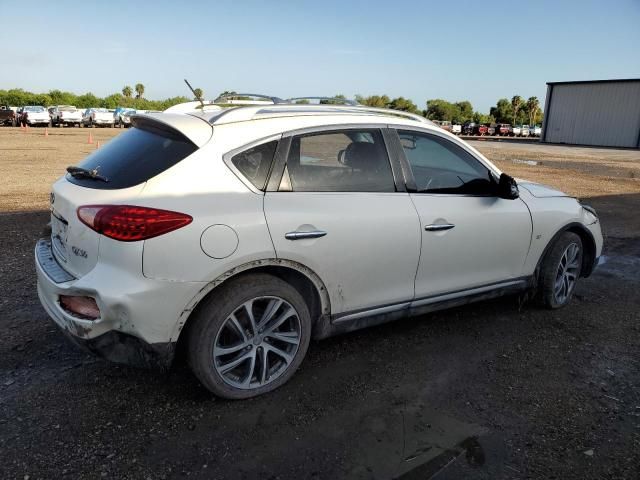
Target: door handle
436,227
303,235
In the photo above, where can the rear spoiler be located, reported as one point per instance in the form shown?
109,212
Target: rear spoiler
197,130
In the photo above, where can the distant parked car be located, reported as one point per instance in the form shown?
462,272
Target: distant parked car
65,115
445,125
7,116
456,129
33,115
503,129
491,129
100,117
125,118
468,128
480,130
515,131
535,131
524,131
121,117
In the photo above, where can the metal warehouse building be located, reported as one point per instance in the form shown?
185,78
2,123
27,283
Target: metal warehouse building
597,112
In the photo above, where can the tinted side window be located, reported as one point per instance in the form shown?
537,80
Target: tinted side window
441,166
340,161
254,163
135,156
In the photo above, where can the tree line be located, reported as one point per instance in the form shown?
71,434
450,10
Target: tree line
19,97
514,111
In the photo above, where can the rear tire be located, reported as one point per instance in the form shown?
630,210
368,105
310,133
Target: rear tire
560,271
266,352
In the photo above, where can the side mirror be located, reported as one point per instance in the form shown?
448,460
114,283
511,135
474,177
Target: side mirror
508,187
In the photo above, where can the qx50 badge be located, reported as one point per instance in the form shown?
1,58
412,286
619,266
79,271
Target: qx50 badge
79,252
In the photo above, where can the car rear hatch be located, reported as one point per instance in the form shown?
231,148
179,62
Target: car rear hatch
116,174
37,115
71,114
104,116
75,245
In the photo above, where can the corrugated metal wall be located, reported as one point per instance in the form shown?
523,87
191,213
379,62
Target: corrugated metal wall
604,114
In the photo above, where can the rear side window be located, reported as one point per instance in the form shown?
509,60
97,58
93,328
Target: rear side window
254,163
340,161
135,156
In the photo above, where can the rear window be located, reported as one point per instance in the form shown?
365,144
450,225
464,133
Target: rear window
135,156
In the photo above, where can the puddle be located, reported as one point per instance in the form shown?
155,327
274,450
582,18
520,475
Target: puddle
413,441
471,449
622,266
525,162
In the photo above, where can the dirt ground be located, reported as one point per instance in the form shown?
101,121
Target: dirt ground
494,390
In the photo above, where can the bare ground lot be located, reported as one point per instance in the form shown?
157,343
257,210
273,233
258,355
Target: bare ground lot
498,389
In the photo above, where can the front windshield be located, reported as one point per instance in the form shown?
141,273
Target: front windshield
34,109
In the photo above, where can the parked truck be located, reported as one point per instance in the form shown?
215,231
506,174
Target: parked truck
7,116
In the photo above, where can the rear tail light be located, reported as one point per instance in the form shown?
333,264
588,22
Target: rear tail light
129,223
82,307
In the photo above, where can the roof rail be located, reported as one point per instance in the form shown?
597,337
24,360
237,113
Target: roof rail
234,96
343,101
245,113
391,111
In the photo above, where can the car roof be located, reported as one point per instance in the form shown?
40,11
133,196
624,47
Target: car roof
261,112
255,122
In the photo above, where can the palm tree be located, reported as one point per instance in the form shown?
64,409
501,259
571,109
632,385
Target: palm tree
516,103
199,93
533,105
139,90
127,92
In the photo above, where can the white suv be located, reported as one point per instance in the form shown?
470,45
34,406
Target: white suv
241,233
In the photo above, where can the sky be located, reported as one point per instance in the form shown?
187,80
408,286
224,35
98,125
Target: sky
456,50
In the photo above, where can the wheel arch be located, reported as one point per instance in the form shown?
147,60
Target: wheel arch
588,244
301,277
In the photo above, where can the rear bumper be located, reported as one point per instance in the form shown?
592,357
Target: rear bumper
138,316
118,347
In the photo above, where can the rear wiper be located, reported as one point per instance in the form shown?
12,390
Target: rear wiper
79,172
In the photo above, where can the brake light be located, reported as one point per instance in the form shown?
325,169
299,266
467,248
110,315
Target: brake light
130,223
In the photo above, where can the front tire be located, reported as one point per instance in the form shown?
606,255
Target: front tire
561,270
249,337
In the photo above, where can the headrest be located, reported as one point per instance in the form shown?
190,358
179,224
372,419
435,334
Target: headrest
360,155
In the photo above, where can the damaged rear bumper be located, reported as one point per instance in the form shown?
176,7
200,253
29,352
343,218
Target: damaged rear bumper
137,315
118,347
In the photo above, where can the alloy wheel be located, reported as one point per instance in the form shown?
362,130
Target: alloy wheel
257,342
567,273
